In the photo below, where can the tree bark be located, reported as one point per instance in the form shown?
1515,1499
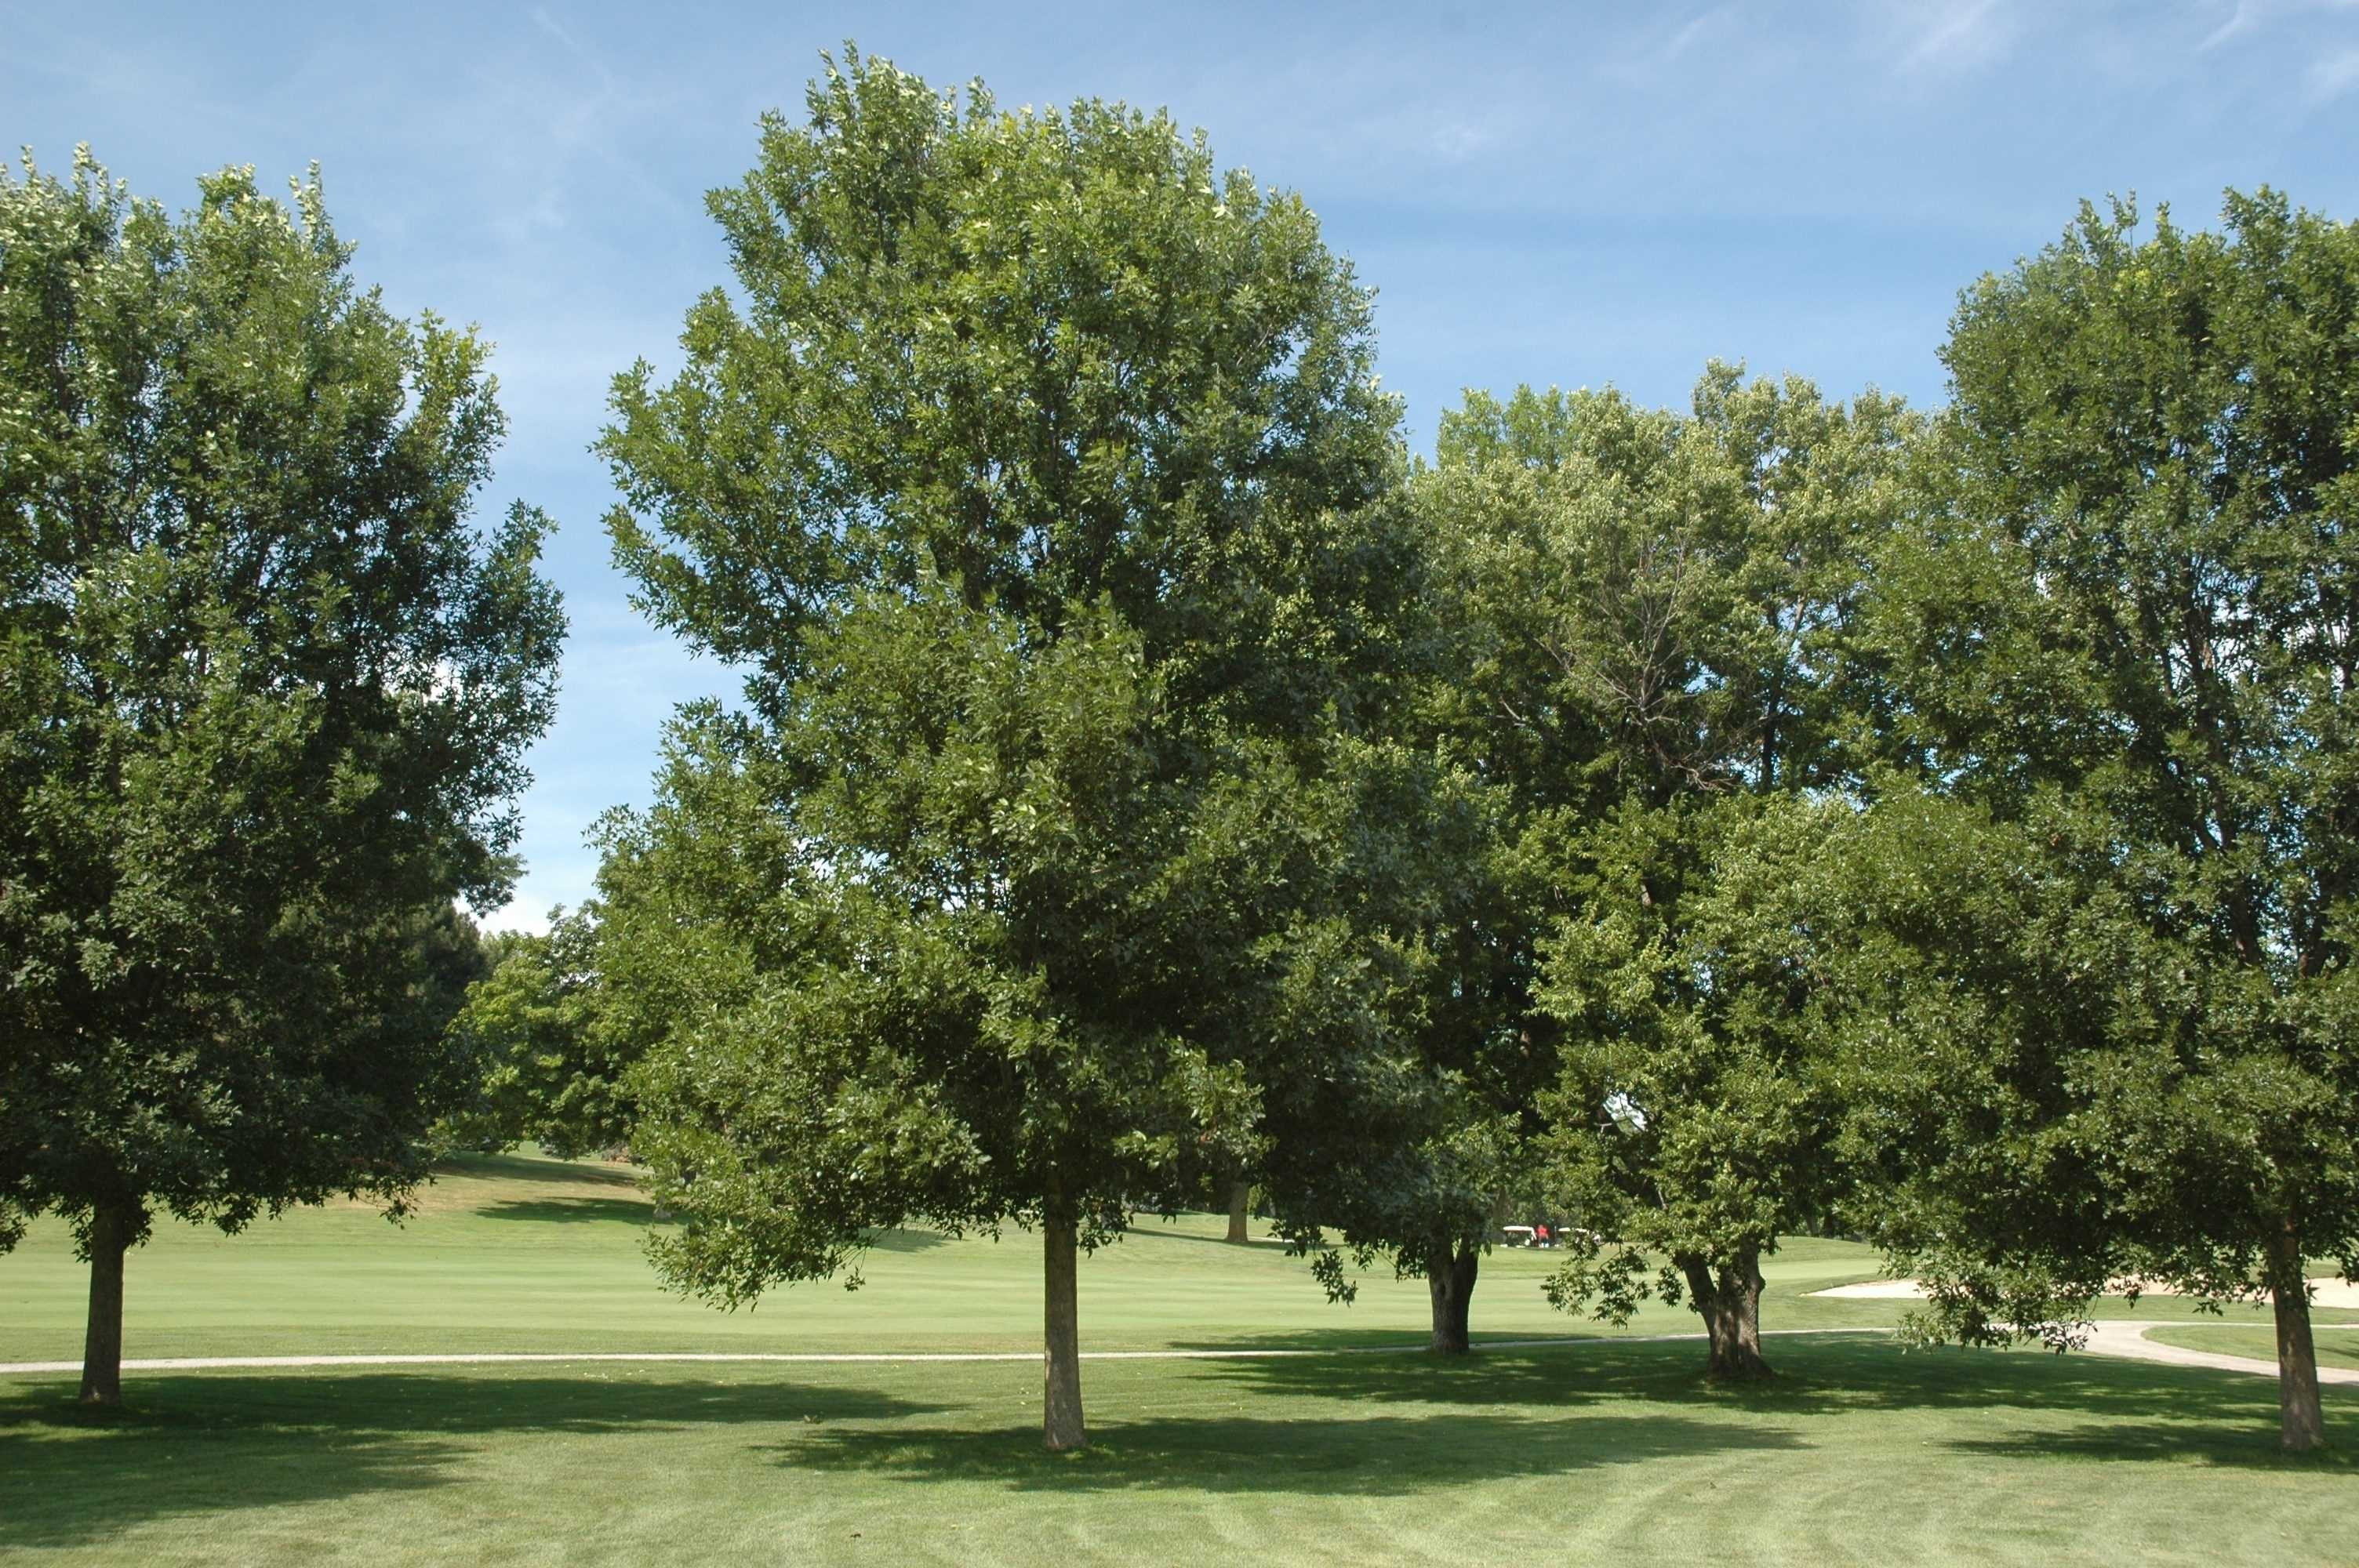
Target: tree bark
1060,1403
102,1345
1450,1278
2301,1419
1730,1305
1239,1210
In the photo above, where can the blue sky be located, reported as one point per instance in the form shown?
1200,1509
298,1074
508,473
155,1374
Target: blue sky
1574,194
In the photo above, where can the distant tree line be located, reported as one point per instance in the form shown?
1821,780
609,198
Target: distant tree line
1700,826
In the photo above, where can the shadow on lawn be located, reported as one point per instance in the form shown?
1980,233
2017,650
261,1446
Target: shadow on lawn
2251,1446
524,1167
219,1444
1149,1228
1816,1373
2142,1411
570,1211
1348,1456
904,1240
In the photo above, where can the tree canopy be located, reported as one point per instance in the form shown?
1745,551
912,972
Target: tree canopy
263,690
2126,635
1653,610
1029,484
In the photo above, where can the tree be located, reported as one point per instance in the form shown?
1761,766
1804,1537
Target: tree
1696,1118
265,691
1408,1144
1026,484
546,1070
1658,609
2128,632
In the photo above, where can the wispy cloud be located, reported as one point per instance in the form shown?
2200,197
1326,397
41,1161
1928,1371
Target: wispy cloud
2240,20
2331,77
2248,16
1456,143
1692,30
1961,36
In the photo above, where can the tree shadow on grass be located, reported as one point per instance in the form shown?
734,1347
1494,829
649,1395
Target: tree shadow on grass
527,1168
904,1240
217,1445
1347,1454
2253,1446
1392,1341
1152,1229
2138,1410
570,1211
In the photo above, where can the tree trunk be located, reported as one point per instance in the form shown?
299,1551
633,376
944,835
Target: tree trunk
1239,1210
1450,1278
1060,1403
1730,1305
2301,1420
102,1345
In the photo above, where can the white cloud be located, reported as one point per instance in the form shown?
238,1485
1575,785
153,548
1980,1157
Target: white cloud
1961,36
2333,76
1457,142
2252,16
1694,28
2240,20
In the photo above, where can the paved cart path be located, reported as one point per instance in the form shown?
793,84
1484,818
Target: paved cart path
2122,1339
2128,1339
2322,1292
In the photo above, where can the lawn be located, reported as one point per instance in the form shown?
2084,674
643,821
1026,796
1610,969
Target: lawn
1579,1453
526,1253
1570,1451
2337,1347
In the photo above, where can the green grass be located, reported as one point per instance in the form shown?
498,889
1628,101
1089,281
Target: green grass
1572,1453
2337,1348
1568,1452
526,1253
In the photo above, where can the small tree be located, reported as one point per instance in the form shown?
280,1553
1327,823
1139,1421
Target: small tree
264,691
546,1070
2129,631
1026,484
1696,1120
1409,1141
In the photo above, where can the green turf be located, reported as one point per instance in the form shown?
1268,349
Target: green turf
2337,1347
1602,1451
1572,1452
526,1253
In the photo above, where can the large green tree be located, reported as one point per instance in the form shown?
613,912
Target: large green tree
2128,633
1658,608
1026,473
264,691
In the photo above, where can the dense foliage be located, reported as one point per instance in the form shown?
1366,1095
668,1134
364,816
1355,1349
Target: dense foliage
1655,615
264,693
1029,485
1681,827
2126,630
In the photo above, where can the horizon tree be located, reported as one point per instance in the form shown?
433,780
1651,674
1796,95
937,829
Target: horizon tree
547,1067
264,689
1026,473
